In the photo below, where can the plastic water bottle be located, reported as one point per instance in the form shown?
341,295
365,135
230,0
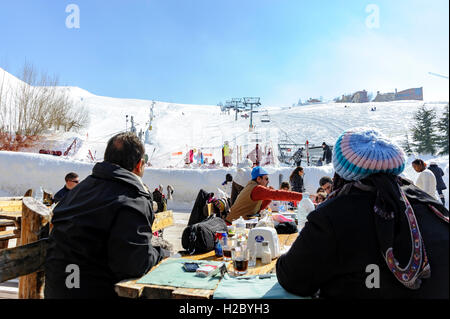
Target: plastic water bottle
304,207
240,227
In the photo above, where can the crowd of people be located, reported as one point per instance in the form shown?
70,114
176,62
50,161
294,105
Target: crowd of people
367,214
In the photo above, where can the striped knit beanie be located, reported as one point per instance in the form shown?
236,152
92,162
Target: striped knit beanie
360,152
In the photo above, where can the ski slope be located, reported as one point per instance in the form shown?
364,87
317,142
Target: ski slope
179,127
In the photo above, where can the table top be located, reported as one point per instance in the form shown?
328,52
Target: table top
130,289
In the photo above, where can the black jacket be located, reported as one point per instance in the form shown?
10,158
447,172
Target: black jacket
104,227
327,154
438,173
297,184
197,213
339,241
60,194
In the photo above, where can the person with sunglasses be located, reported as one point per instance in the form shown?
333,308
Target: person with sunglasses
257,196
72,180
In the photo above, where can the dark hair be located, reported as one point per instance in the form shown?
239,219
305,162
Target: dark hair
228,178
325,180
295,172
70,176
420,163
285,185
125,150
320,190
321,195
338,182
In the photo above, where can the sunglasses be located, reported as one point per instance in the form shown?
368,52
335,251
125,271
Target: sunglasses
76,182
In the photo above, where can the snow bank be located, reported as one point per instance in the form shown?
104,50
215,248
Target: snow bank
21,171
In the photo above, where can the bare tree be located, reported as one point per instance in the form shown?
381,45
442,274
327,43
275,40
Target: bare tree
38,105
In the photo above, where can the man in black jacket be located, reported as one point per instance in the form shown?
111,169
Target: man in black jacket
376,236
326,153
440,185
72,180
102,228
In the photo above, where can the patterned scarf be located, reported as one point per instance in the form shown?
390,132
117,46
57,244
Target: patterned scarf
391,201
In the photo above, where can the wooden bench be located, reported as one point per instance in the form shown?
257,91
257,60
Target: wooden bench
10,216
26,261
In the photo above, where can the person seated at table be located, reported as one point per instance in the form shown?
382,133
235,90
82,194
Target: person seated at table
72,180
256,196
320,198
327,184
376,236
103,227
276,204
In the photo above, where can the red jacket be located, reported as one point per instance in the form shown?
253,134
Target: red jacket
267,195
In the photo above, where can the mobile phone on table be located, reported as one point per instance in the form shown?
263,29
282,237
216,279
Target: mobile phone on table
190,267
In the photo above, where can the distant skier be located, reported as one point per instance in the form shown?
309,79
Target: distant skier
326,153
297,157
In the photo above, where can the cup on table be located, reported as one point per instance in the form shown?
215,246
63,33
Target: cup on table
227,249
239,255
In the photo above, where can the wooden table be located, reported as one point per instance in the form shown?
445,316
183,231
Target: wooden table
130,289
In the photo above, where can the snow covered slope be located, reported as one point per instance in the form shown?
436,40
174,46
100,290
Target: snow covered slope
178,128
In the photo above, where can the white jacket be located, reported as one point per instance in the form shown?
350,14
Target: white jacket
427,182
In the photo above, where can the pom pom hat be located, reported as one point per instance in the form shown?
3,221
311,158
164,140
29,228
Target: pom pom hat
360,152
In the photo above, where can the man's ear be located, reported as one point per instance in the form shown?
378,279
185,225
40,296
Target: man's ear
139,167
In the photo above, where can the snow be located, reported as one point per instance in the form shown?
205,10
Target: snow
179,127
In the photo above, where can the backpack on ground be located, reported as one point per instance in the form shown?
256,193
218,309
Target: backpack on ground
199,238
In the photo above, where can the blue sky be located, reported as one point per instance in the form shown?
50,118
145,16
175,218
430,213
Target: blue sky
207,51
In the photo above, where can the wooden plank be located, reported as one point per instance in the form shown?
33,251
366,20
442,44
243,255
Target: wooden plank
34,216
11,215
8,234
11,206
22,260
6,199
162,220
6,223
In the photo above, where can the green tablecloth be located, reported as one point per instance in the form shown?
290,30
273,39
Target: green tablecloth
170,273
252,288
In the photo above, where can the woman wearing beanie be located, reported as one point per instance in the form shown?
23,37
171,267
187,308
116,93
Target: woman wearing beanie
426,180
376,236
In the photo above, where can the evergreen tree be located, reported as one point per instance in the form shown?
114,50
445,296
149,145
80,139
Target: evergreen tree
424,136
443,130
407,146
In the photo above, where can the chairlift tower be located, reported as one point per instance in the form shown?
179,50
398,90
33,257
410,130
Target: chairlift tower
251,101
235,102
